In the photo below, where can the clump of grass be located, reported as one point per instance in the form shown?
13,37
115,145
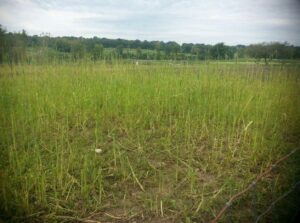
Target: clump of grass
175,142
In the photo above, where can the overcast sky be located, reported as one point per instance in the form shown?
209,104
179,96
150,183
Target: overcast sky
196,21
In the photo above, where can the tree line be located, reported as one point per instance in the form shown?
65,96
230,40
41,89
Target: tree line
20,47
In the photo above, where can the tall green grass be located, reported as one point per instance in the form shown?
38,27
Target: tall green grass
175,141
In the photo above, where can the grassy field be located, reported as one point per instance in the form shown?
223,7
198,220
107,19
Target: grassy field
147,143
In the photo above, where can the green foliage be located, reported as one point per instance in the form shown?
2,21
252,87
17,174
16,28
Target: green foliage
3,44
63,45
139,53
220,52
78,51
119,51
187,47
271,51
97,52
14,48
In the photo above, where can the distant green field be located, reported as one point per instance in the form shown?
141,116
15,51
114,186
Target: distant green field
157,142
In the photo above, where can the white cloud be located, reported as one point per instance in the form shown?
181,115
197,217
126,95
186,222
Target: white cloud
232,22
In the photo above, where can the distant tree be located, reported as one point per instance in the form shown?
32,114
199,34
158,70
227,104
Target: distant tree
97,52
281,50
119,51
13,48
296,52
2,44
240,51
63,45
218,51
78,51
138,53
195,51
172,49
175,50
24,37
269,51
187,47
258,51
145,45
135,44
16,47
157,50
230,52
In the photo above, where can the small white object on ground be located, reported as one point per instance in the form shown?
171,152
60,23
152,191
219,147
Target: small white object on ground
98,150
